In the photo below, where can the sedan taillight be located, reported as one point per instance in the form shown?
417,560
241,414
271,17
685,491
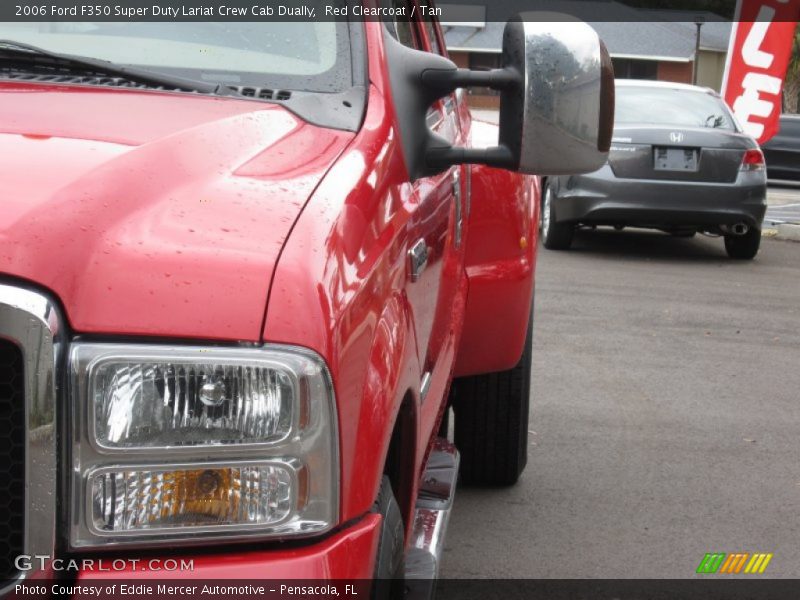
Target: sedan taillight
753,160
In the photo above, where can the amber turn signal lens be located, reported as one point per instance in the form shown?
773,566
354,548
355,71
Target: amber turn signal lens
134,500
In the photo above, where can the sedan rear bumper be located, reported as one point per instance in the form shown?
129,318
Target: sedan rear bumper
600,198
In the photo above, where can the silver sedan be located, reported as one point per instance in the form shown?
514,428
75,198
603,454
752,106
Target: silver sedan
679,162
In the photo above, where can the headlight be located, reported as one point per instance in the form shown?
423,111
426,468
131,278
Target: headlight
172,443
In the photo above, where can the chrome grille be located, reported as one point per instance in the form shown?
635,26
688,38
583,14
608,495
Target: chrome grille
12,457
29,340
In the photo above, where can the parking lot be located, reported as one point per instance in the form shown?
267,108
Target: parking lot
783,204
665,416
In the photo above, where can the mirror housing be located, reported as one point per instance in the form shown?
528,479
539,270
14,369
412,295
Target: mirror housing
556,88
559,120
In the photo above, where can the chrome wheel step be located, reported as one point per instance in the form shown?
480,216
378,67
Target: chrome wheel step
431,516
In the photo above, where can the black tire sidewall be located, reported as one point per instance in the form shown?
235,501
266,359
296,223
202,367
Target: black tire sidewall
558,235
743,247
390,559
491,422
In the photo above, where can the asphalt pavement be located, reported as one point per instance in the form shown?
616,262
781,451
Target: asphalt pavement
665,418
783,201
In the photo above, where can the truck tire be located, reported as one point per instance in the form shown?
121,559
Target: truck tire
555,236
390,560
743,247
491,422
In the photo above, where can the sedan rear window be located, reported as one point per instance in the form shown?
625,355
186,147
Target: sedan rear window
675,107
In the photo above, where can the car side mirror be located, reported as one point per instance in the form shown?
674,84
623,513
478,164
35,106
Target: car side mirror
556,88
560,119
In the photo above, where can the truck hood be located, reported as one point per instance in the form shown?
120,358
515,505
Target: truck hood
151,213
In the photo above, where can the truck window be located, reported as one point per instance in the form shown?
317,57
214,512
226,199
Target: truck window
433,38
403,28
435,43
406,31
311,56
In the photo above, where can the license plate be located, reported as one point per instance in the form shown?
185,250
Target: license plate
675,159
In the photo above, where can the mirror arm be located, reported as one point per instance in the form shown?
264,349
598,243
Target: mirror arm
500,156
441,82
446,81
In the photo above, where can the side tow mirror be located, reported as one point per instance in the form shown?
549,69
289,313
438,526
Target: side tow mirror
556,103
560,120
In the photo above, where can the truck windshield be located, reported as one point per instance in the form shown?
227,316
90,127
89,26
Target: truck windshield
313,56
640,105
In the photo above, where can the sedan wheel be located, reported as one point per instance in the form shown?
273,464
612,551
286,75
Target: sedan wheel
743,247
555,235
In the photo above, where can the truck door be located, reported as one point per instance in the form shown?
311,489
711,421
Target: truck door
435,286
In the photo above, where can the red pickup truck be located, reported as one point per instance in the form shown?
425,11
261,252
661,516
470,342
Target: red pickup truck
249,268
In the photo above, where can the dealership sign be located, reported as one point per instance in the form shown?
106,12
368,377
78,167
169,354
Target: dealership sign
758,55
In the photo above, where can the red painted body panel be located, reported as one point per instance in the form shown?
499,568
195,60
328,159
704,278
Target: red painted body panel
500,264
136,222
348,554
345,270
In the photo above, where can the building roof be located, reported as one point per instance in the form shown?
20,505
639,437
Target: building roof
625,33
714,34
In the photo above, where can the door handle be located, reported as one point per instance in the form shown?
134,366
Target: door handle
418,259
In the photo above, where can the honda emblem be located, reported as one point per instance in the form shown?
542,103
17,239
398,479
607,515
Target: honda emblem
676,137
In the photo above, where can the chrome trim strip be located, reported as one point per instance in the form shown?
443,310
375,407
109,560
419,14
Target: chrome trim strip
31,321
459,210
468,203
425,385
